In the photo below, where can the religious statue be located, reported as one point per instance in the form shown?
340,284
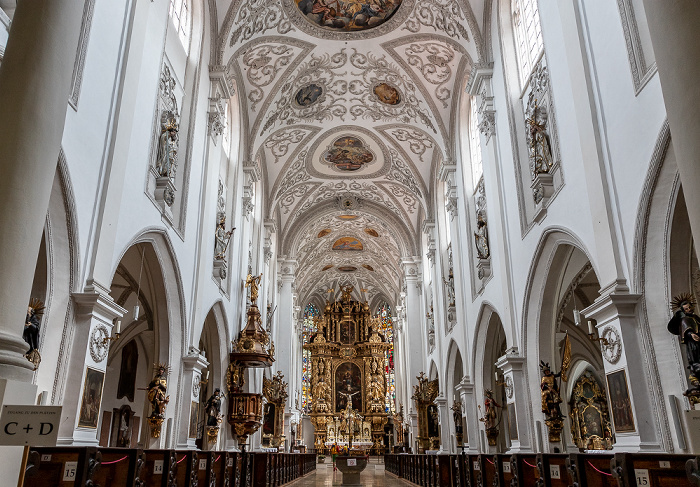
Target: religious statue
254,283
166,162
322,395
375,389
538,141
450,287
221,239
686,324
551,400
481,238
550,392
212,408
490,418
156,392
32,325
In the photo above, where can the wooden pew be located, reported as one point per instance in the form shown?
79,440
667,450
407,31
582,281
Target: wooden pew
654,470
61,467
159,467
504,470
187,467
552,469
118,467
488,470
524,470
586,470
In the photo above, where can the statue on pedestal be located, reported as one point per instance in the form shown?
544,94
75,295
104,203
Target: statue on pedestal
551,400
254,283
212,408
32,325
221,239
166,162
156,394
490,418
686,324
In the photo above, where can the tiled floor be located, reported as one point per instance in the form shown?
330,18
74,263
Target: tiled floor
372,476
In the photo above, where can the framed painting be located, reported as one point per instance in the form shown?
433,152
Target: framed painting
512,421
92,399
623,418
348,386
194,419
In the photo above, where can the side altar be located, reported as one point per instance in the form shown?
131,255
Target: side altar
347,369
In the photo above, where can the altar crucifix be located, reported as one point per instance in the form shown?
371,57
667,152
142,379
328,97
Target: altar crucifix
350,418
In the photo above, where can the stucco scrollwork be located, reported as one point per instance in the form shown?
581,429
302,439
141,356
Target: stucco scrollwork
612,345
263,63
279,142
433,60
418,142
259,16
443,16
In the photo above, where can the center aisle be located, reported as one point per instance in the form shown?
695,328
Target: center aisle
373,475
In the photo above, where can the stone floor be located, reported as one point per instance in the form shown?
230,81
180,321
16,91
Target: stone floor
373,476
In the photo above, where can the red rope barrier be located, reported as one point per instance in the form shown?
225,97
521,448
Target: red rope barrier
529,465
115,461
599,471
185,456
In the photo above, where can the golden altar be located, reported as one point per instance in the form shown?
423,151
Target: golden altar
347,366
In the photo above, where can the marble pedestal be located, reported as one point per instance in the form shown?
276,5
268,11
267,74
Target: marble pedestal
351,468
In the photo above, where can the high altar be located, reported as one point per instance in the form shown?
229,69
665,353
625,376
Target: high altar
347,366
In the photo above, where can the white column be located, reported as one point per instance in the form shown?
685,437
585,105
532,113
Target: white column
94,316
286,345
35,79
616,319
471,421
445,421
513,367
673,25
415,333
192,366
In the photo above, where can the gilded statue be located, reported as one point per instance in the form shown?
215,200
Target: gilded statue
32,326
490,418
156,392
322,395
549,387
375,389
254,283
686,324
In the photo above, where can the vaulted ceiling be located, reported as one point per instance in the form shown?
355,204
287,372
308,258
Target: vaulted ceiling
348,108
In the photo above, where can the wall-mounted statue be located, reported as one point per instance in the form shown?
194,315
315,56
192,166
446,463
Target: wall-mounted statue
540,152
212,408
549,389
32,326
221,239
686,324
156,392
450,287
491,418
166,160
481,238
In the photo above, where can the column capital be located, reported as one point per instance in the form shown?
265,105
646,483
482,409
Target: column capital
447,170
480,74
614,305
511,362
465,386
411,268
99,305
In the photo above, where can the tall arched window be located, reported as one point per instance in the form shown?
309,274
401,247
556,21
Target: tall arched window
387,329
180,15
475,144
308,329
528,35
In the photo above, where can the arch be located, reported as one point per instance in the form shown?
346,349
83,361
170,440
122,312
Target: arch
454,372
481,331
659,213
432,371
61,232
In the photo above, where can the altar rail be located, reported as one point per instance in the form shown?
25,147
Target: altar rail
547,470
122,467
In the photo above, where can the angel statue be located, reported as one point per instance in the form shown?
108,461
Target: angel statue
254,283
32,324
686,324
166,161
221,239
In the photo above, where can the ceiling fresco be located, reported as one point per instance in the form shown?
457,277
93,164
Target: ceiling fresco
348,108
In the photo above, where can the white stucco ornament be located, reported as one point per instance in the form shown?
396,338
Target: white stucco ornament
613,349
99,346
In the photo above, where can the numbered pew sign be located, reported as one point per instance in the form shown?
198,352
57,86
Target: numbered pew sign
29,425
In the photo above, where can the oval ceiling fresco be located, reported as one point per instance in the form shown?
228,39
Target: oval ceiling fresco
348,15
348,243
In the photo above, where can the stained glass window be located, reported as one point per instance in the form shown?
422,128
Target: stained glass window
308,329
387,329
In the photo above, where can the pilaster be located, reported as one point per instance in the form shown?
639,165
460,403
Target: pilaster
467,395
513,367
192,366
